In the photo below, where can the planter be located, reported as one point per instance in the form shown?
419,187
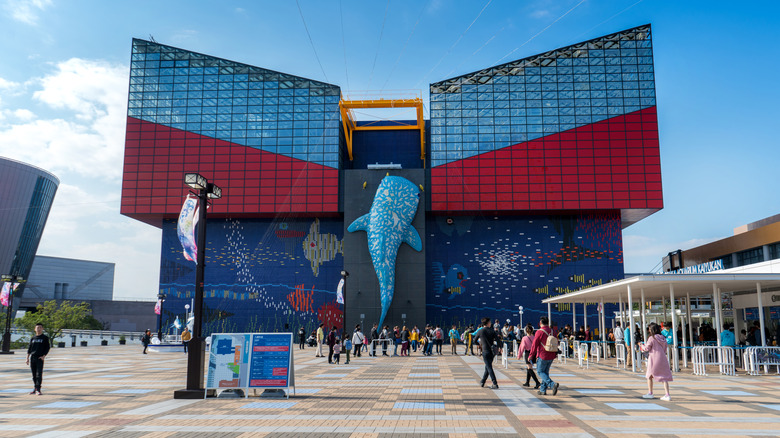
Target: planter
104,342
122,342
83,343
60,345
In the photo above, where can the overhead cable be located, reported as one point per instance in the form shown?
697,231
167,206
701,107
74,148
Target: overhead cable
403,49
311,41
379,44
610,18
343,43
538,33
455,44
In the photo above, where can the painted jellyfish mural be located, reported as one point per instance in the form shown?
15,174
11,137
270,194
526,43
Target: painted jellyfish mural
387,225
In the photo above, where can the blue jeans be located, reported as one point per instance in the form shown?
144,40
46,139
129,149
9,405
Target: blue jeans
543,369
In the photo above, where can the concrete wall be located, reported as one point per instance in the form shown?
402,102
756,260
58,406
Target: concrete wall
362,295
57,278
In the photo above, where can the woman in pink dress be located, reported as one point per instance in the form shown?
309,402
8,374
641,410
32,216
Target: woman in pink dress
657,362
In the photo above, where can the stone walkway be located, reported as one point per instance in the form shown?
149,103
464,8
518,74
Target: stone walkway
118,392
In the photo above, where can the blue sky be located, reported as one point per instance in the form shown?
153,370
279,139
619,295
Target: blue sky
64,80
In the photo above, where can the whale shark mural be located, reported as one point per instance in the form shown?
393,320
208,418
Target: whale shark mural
387,225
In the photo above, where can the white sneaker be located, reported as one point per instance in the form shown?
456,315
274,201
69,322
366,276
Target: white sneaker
667,397
648,395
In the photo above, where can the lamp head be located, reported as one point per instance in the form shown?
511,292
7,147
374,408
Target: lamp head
214,192
344,274
195,181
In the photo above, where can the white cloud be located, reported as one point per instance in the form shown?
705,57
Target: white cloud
26,11
8,85
88,139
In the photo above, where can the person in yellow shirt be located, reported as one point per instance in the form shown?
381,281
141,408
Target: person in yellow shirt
186,336
415,338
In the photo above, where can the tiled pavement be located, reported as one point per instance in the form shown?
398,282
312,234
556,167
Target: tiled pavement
116,391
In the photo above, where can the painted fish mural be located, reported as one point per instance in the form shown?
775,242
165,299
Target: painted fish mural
452,281
387,225
320,248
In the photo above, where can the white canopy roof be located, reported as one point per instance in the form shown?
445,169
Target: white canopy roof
656,286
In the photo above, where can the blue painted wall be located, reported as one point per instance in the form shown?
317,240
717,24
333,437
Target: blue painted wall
487,266
258,275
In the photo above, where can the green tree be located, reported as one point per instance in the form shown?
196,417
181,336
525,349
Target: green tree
55,318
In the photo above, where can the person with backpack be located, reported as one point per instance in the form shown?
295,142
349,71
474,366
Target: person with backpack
357,340
487,337
544,348
439,334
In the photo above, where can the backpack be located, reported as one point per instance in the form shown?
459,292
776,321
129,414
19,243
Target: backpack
551,343
439,334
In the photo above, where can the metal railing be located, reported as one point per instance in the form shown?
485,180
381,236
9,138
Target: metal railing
722,357
756,357
564,347
620,355
583,355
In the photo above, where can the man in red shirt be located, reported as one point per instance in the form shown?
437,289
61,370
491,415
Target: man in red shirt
543,357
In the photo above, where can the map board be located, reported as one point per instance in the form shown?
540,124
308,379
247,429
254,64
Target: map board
250,360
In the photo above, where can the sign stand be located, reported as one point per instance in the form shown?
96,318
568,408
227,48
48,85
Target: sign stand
251,361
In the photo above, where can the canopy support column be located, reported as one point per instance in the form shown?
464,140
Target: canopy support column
642,312
674,328
632,342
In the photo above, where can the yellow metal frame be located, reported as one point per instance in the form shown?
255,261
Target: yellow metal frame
350,124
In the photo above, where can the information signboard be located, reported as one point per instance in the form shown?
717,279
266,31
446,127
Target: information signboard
271,362
250,360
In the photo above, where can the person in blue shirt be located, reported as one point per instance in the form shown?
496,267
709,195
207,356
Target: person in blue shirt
727,337
667,332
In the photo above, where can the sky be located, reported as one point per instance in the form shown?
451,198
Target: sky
64,73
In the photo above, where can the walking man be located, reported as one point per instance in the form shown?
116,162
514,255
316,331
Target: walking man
36,353
543,357
486,337
186,337
146,339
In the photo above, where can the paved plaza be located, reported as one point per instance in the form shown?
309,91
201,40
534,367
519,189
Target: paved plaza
116,391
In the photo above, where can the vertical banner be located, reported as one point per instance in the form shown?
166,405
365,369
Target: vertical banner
5,294
185,228
340,292
158,307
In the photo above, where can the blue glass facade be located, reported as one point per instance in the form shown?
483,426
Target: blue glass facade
541,95
246,105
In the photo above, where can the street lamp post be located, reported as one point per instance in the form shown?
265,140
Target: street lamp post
14,280
186,314
197,346
520,310
161,299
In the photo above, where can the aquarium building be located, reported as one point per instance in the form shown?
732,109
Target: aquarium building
516,187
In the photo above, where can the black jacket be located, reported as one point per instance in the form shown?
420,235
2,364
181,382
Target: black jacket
39,346
486,337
